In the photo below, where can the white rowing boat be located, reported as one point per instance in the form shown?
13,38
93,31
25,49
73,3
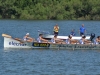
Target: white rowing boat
47,35
13,43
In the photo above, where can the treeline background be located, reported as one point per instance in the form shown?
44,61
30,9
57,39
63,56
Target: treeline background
50,9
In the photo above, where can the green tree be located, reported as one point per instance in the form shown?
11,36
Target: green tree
50,9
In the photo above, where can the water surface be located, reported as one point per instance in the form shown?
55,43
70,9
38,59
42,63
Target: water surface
47,61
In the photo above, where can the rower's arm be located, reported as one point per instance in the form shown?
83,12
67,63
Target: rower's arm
43,39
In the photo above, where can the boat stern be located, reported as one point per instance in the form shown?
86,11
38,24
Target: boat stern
11,43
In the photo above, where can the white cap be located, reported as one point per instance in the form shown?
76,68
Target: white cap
27,33
83,35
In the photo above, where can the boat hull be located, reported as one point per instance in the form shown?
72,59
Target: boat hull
11,43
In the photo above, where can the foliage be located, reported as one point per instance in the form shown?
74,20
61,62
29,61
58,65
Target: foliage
50,9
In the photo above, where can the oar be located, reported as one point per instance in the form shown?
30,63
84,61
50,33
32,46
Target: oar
8,36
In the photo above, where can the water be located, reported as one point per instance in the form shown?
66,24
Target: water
47,62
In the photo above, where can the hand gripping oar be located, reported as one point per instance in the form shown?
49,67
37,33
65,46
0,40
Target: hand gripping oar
8,36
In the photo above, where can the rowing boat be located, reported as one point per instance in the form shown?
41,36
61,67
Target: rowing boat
12,43
47,35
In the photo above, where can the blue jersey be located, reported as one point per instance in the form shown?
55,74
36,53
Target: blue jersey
72,33
82,29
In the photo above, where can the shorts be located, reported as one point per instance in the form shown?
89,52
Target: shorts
81,33
55,33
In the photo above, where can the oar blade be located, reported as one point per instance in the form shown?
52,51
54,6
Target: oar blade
6,35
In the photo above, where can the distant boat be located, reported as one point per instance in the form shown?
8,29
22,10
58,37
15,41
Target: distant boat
48,36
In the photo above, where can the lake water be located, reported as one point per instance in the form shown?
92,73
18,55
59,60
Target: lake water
47,62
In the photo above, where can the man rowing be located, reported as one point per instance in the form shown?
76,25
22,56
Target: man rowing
40,39
28,38
97,41
84,41
56,29
70,40
57,40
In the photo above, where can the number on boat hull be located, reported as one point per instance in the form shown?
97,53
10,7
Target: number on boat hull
41,44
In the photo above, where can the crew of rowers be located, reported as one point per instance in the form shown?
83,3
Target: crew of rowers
56,40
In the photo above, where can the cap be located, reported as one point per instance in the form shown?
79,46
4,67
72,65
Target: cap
27,33
83,35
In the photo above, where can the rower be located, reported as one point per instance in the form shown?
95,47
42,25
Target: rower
97,41
28,38
57,40
70,40
41,39
84,41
